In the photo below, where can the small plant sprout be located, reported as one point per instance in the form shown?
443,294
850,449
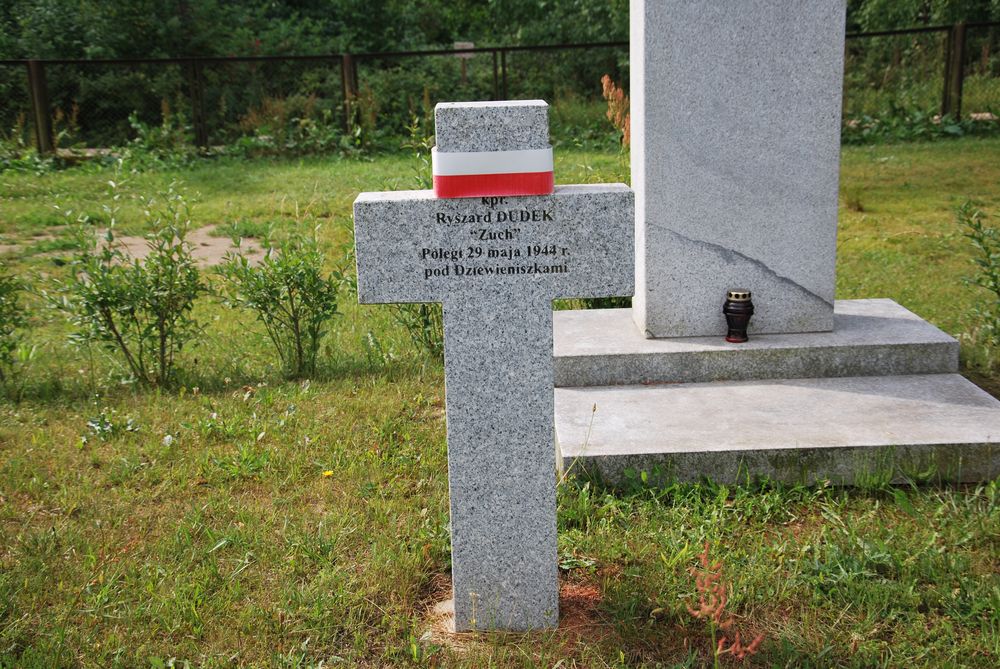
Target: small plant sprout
713,595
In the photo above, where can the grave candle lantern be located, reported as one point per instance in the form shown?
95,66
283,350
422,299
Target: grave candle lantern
738,309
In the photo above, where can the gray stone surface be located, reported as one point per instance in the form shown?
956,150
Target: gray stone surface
496,264
735,152
852,430
491,126
870,338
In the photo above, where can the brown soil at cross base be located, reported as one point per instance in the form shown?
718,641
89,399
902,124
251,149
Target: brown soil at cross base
579,619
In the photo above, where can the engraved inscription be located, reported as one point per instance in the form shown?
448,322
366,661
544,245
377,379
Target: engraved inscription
504,240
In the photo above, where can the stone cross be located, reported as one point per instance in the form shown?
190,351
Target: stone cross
496,263
735,161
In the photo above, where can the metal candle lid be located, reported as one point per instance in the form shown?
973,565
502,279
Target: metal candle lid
738,295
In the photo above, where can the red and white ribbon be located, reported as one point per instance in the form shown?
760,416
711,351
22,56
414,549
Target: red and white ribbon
481,173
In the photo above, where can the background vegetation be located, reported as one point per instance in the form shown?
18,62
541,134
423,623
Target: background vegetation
893,84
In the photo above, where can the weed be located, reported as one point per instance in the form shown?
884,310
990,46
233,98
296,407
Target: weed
618,110
900,125
377,354
621,119
713,596
295,125
107,425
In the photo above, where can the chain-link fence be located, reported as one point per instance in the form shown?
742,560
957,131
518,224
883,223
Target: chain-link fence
981,71
939,70
934,70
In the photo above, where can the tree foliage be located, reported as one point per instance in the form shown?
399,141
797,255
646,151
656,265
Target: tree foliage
172,28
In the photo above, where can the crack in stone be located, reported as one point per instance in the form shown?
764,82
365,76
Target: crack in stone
728,254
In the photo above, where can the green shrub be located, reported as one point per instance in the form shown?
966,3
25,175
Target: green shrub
138,309
900,125
296,125
17,154
424,324
422,321
290,295
13,317
986,241
170,144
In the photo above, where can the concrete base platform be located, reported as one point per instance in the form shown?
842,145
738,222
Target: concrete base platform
852,430
870,338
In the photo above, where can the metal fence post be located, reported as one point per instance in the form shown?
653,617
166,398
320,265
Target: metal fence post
503,71
496,83
198,105
349,85
41,110
954,72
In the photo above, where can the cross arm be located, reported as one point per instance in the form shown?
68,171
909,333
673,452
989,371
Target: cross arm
414,247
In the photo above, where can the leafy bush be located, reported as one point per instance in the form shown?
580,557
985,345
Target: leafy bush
422,321
986,241
424,324
290,295
295,125
909,126
170,144
139,309
12,319
17,153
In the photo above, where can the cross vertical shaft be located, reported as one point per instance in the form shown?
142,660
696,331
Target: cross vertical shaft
501,464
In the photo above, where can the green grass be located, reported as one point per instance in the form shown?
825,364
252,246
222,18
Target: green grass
196,523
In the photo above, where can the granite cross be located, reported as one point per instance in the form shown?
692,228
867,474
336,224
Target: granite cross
496,263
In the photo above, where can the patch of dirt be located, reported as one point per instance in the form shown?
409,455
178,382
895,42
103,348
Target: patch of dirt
579,619
48,235
207,250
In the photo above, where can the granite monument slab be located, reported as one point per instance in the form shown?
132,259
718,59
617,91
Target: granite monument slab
735,150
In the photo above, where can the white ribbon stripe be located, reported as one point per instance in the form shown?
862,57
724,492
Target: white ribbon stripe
450,164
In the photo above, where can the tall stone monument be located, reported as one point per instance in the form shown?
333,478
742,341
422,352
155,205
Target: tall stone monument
735,150
735,161
496,262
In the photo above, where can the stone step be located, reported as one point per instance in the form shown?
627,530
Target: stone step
850,430
870,338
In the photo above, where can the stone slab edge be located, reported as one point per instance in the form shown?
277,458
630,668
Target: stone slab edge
886,350
845,465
